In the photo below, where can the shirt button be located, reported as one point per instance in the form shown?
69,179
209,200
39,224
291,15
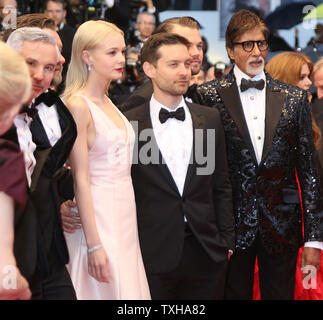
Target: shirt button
259,138
255,117
252,98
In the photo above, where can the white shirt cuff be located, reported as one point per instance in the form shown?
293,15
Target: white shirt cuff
314,244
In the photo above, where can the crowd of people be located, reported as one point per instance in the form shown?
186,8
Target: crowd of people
129,172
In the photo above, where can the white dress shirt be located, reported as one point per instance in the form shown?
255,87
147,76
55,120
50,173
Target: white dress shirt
254,108
27,146
174,139
50,120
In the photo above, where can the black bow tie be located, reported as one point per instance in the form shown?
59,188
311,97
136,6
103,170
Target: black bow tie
247,84
30,110
48,98
164,115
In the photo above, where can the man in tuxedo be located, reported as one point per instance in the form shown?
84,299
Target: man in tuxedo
184,207
188,28
268,133
46,132
183,197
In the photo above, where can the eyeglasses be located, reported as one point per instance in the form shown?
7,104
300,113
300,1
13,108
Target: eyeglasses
146,23
249,45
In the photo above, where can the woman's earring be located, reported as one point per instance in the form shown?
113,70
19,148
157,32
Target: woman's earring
89,68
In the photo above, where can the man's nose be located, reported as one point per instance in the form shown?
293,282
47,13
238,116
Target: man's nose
255,50
61,59
38,74
194,51
184,70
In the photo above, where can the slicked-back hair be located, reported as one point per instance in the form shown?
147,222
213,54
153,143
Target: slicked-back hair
242,22
168,24
38,20
150,51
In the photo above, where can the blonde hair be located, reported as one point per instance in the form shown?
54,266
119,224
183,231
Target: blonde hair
287,66
15,82
318,65
88,36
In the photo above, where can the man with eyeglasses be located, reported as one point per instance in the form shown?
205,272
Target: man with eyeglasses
269,139
145,26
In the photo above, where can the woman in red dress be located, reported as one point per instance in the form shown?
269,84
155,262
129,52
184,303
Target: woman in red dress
15,87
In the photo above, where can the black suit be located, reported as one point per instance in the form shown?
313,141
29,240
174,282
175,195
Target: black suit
267,207
27,243
39,226
206,203
46,198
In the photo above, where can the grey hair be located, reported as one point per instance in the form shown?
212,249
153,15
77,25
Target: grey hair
32,34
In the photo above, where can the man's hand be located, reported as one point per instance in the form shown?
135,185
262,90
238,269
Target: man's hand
312,257
70,217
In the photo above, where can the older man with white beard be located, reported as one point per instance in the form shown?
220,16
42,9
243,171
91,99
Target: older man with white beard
268,133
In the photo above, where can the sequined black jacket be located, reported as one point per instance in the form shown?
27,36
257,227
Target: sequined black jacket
265,196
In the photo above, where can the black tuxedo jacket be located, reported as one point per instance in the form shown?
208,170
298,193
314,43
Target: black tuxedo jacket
266,198
44,186
28,245
206,201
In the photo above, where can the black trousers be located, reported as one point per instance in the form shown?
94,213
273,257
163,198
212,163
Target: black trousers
57,286
195,277
276,274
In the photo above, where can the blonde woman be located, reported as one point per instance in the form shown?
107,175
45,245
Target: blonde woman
105,257
15,88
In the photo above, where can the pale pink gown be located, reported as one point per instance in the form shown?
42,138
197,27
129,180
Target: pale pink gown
115,215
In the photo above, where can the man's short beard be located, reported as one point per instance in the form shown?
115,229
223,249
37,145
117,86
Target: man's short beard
197,71
255,71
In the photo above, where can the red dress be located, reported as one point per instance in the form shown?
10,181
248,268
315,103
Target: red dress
12,172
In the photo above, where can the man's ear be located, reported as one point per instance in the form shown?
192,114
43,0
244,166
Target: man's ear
230,53
149,69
